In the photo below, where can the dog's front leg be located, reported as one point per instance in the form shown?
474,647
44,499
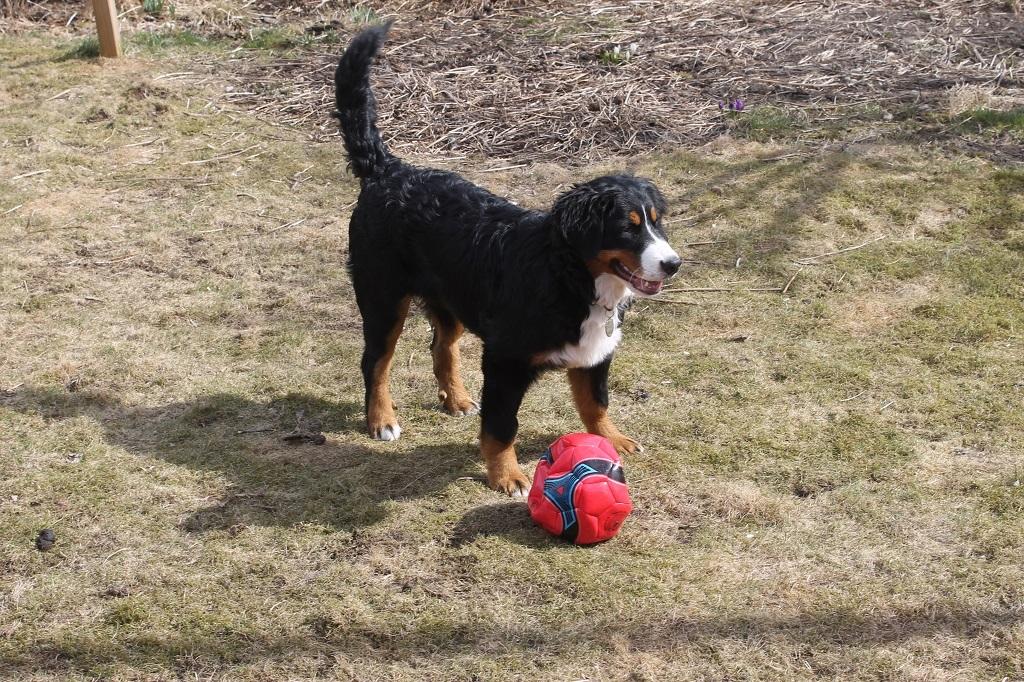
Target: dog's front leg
505,384
590,393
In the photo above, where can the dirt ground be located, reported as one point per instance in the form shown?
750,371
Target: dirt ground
830,396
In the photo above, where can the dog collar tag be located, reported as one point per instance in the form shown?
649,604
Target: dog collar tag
609,326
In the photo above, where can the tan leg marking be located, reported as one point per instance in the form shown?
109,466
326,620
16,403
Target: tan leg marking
380,410
595,416
447,369
503,472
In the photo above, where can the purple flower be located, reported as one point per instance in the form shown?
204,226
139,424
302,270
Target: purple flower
732,104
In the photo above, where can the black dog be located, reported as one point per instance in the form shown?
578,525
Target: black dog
542,290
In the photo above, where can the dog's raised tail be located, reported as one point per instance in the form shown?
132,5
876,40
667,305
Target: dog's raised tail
357,107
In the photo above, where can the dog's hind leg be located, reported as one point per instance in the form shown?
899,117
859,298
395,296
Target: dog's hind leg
382,324
444,348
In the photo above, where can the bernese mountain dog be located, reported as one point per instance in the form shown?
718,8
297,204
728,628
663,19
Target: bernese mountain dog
542,290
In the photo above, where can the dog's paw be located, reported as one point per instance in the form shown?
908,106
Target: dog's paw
625,445
512,482
458,406
386,432
465,408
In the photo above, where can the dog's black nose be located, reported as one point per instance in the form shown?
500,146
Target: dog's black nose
671,265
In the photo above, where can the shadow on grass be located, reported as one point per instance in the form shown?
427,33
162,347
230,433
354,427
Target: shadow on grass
419,643
510,520
87,48
339,484
805,183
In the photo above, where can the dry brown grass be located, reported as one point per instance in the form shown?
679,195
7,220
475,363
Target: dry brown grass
831,485
12,9
577,81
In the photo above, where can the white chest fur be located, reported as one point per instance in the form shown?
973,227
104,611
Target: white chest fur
596,343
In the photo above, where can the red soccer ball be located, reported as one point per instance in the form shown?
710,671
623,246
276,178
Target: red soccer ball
579,490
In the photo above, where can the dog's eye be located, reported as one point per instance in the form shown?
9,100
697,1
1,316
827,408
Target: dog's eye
654,214
634,218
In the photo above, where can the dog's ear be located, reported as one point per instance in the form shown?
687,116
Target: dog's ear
659,201
580,216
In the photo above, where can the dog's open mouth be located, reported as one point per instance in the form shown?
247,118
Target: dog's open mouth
644,286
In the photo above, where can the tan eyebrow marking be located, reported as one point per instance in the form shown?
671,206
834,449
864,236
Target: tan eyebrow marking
654,214
634,217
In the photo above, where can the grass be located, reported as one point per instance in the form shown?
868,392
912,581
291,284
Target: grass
270,39
614,56
989,124
763,124
156,8
86,48
1012,119
280,39
830,486
364,15
156,41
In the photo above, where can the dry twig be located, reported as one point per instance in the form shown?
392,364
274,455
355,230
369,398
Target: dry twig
809,260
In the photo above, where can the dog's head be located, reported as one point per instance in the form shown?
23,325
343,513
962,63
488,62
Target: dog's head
614,224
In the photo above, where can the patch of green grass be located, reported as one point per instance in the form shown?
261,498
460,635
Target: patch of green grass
168,39
277,39
271,39
126,612
999,210
321,34
993,273
156,8
86,48
968,320
1006,498
764,123
614,56
993,119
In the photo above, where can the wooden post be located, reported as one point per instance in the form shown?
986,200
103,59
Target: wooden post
106,26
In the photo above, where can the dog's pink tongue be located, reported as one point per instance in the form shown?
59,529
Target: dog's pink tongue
646,285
